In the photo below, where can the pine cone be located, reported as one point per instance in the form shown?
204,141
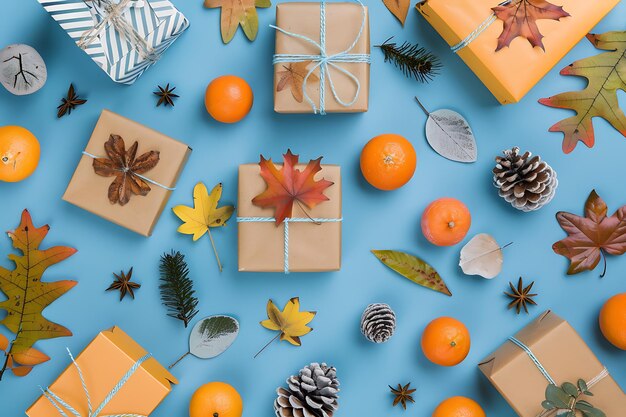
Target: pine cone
528,183
312,393
378,323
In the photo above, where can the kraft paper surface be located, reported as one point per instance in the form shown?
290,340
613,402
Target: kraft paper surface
312,247
103,363
343,21
563,354
511,72
89,190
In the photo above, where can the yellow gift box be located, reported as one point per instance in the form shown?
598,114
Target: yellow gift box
511,72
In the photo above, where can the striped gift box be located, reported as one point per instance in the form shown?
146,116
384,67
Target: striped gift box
156,21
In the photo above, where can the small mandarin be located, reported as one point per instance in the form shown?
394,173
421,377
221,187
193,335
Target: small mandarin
613,320
445,341
446,221
19,153
388,161
216,399
228,98
459,407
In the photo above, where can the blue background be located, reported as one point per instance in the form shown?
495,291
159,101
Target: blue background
373,219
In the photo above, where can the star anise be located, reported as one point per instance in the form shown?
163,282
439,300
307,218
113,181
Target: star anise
521,296
403,394
124,284
70,102
126,169
166,96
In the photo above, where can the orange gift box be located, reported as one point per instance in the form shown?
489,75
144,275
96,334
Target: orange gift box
511,72
104,363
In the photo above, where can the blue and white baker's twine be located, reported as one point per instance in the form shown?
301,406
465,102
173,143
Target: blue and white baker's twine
477,32
158,184
324,61
286,226
58,402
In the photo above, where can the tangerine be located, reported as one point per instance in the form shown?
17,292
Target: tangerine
228,98
446,341
613,320
216,399
446,221
459,407
19,153
388,161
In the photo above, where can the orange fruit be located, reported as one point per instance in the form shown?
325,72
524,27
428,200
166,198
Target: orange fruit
216,399
19,153
459,407
228,98
613,320
446,221
388,161
446,341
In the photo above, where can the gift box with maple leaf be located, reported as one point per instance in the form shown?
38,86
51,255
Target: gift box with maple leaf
511,45
547,370
289,216
127,173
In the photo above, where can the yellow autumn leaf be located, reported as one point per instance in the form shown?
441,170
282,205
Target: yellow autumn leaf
291,322
204,214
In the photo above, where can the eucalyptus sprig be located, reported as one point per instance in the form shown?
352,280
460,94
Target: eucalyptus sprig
564,401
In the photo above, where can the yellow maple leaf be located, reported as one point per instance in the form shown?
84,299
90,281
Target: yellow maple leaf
291,322
204,214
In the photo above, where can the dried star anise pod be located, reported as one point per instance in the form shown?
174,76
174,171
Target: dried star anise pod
166,95
124,284
402,394
69,103
126,168
521,296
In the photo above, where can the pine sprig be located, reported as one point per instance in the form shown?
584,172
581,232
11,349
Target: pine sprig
413,60
177,293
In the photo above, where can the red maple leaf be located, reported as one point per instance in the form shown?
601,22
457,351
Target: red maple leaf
288,185
520,19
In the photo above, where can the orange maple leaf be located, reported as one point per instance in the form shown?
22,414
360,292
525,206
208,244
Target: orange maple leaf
520,19
288,185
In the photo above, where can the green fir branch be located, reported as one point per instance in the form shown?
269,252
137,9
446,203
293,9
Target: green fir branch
177,293
413,60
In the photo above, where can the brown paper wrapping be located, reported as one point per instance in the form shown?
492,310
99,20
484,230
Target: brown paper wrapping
511,72
89,191
103,363
563,354
343,21
312,247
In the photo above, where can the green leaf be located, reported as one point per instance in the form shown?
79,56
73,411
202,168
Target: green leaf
570,389
588,410
547,405
582,385
557,396
211,336
413,268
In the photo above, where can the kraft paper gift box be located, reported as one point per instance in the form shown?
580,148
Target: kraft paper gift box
311,247
511,72
564,356
124,37
346,23
108,359
90,191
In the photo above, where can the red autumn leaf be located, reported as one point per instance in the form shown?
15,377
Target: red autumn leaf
520,19
591,237
288,185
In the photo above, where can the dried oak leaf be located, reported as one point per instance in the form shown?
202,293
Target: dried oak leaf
288,185
604,74
593,236
293,75
125,167
520,19
238,12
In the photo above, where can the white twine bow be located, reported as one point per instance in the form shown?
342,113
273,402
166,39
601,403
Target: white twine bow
286,228
111,13
58,402
323,61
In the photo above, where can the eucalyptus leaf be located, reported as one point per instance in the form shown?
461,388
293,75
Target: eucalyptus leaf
582,385
557,396
450,135
570,389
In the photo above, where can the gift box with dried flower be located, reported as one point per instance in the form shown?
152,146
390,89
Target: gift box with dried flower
124,37
300,74
113,375
127,173
546,369
498,53
306,240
